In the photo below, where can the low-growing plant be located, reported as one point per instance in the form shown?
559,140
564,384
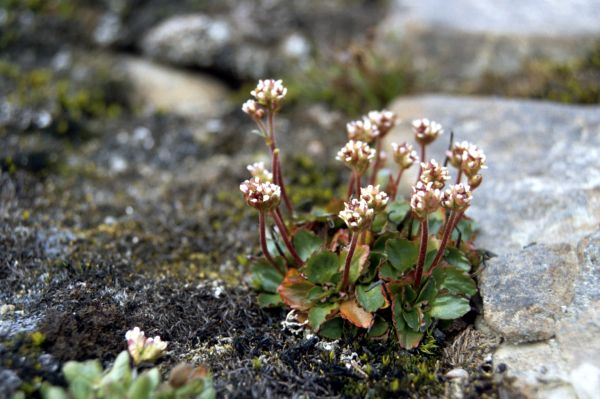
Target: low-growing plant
371,262
87,380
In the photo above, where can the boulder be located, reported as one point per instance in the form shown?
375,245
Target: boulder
539,211
459,40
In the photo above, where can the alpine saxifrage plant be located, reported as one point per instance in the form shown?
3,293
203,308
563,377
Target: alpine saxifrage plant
374,262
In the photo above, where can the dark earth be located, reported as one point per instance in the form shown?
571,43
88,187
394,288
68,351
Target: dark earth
113,217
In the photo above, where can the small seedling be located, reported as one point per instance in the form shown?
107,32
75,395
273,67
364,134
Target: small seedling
372,261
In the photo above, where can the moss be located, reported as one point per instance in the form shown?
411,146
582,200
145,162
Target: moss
573,82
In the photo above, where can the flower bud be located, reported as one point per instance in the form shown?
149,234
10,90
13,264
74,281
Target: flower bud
455,155
258,170
473,160
434,173
384,121
363,130
269,92
357,215
263,196
144,349
424,200
404,155
375,198
356,155
475,181
255,111
457,197
426,131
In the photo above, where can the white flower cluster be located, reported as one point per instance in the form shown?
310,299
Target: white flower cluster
263,196
356,155
425,199
144,349
258,170
426,131
269,92
253,109
384,120
457,197
467,157
357,214
374,197
363,129
434,174
404,155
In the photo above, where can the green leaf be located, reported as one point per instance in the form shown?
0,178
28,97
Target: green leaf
402,254
466,227
50,392
266,300
379,328
449,307
409,339
379,244
387,271
306,243
89,371
140,388
456,281
457,258
265,277
332,329
120,371
294,290
397,211
411,317
428,292
371,300
429,257
409,295
318,314
379,222
321,267
358,264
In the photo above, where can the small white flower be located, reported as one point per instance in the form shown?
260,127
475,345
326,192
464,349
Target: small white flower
254,110
424,200
404,155
363,129
376,199
269,92
384,120
258,169
356,155
473,160
144,349
263,196
457,197
434,173
356,214
426,131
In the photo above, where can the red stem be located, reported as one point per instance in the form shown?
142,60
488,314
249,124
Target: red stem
284,235
346,275
357,182
276,164
422,251
263,239
377,164
396,183
447,233
350,186
459,177
421,161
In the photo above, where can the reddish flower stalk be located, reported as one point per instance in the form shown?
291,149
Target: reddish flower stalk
459,176
357,181
448,227
350,186
276,164
276,214
377,163
422,251
422,160
346,275
262,230
396,184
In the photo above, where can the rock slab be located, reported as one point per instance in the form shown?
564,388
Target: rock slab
539,211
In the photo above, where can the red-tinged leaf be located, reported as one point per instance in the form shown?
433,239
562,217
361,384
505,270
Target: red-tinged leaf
351,311
340,238
359,262
294,290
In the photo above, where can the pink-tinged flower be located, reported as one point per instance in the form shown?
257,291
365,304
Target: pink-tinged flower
455,154
473,160
426,131
424,200
263,196
404,155
363,129
357,215
356,155
434,174
457,197
253,109
269,92
384,120
375,198
144,349
258,170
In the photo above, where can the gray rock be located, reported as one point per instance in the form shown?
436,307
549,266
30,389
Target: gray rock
167,89
539,210
9,383
461,39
